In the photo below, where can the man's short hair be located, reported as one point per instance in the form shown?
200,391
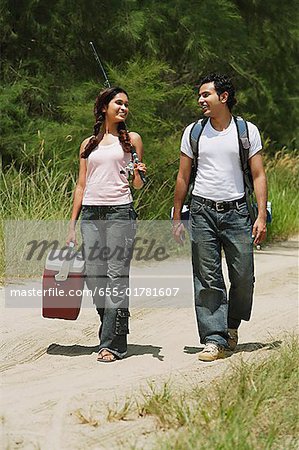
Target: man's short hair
222,84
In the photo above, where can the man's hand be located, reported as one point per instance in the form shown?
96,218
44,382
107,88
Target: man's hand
181,187
259,230
178,231
260,188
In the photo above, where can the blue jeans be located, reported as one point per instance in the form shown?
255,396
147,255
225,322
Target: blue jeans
108,234
212,231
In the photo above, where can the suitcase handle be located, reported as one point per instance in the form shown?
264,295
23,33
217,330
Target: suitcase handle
66,266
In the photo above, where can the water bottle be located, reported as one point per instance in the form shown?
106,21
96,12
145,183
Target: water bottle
269,212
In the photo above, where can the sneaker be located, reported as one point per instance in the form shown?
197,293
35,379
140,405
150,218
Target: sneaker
232,338
211,352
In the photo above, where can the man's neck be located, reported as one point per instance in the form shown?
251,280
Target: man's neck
222,122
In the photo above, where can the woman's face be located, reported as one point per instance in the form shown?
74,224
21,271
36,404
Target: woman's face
117,109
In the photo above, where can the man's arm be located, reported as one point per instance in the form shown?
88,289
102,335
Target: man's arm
260,188
180,192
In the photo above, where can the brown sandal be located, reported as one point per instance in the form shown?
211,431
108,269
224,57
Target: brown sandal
103,354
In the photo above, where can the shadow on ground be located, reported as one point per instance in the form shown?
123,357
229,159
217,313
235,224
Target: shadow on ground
247,347
79,350
71,350
136,349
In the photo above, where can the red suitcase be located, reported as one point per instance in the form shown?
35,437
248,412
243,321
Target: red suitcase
63,282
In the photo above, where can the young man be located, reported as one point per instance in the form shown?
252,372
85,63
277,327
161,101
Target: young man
220,219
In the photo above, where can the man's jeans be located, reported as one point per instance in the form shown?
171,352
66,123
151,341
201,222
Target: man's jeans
212,231
108,234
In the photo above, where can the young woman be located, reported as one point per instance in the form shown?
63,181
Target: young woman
108,219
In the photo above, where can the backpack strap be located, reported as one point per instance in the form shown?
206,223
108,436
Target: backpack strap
244,146
195,134
242,131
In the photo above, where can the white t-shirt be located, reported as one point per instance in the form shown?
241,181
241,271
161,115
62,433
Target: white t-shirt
219,174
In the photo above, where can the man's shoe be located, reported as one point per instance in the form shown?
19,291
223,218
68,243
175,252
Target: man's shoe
232,338
211,352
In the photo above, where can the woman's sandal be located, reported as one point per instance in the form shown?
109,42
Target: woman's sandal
106,357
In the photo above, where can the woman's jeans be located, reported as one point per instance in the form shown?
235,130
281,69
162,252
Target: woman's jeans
108,234
212,231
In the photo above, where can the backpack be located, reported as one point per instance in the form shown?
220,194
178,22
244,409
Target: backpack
244,146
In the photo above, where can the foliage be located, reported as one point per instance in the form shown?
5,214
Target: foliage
47,63
283,181
157,51
64,126
45,191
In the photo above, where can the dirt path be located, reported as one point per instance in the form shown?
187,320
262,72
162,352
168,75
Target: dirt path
49,368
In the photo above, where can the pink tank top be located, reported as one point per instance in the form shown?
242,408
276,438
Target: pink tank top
106,176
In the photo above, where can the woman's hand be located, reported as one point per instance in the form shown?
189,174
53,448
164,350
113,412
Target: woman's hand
137,181
71,237
140,166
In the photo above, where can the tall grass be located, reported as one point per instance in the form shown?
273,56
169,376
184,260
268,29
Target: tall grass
45,191
283,183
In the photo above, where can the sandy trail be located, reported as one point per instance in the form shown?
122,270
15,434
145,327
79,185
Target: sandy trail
49,368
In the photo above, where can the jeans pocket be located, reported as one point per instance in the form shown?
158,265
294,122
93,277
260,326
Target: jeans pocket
242,210
128,250
132,213
122,321
89,213
118,213
195,207
133,218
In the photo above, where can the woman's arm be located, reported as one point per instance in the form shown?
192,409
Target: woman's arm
78,195
137,143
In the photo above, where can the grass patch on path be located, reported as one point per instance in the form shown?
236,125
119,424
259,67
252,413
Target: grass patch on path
255,407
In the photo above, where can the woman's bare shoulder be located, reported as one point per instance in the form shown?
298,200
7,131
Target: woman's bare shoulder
84,143
135,137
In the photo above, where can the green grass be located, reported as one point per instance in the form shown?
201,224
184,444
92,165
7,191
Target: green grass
283,183
255,406
41,194
45,191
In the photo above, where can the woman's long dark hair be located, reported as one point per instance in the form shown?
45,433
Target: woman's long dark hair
102,101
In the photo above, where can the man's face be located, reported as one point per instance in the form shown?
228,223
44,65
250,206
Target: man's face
210,103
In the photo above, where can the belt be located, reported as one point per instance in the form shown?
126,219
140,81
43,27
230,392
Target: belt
221,206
